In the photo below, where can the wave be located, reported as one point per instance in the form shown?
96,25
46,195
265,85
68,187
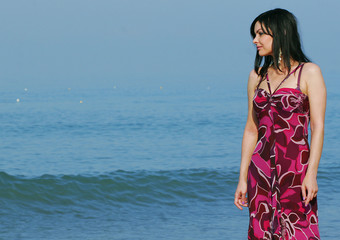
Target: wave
119,188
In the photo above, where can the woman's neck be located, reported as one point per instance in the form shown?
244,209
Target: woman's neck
284,69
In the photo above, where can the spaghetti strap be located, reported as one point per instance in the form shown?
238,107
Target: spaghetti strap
271,93
298,82
270,90
257,87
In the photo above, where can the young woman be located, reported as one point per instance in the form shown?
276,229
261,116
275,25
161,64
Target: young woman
278,171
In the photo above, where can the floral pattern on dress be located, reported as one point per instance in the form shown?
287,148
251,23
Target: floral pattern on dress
278,167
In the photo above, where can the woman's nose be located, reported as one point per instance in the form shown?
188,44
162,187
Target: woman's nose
255,40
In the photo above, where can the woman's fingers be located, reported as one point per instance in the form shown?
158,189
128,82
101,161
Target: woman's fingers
240,200
309,197
236,201
311,193
240,195
244,200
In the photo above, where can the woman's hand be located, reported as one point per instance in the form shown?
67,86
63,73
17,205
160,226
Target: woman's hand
240,195
309,188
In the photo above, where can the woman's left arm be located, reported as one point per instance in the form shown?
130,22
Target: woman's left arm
316,91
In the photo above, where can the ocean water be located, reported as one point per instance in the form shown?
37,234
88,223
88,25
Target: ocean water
122,163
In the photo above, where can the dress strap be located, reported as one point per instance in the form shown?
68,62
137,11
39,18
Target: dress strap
284,78
270,90
299,77
258,85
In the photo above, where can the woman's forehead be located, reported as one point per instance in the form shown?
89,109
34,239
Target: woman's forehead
257,26
261,26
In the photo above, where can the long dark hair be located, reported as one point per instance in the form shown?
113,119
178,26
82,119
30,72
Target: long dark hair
282,26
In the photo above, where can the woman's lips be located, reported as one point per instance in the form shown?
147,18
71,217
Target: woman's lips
258,47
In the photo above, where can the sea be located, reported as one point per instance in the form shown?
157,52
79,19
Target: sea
142,163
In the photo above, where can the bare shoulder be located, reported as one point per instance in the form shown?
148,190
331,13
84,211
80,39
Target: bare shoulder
253,74
253,80
311,69
313,77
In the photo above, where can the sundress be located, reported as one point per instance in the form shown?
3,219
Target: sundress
278,166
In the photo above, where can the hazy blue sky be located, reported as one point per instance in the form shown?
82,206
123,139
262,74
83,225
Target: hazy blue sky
82,43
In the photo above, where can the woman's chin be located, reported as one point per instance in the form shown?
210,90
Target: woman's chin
263,54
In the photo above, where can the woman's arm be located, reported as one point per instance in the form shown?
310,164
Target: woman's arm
248,144
316,91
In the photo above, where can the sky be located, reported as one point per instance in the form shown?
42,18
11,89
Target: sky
105,43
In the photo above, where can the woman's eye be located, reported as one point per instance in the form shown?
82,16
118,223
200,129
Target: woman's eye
260,33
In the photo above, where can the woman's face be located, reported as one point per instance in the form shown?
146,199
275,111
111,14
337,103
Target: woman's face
262,41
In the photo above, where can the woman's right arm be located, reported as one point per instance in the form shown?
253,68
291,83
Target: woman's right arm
248,144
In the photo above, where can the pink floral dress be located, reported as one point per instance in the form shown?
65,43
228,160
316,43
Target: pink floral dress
278,167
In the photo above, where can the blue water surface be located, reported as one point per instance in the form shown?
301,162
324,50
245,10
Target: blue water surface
121,163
